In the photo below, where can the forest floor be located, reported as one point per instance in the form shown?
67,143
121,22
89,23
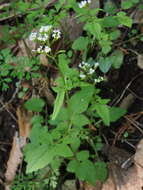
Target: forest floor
123,86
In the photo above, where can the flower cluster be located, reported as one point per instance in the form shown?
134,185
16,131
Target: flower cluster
43,36
87,71
56,34
42,49
84,3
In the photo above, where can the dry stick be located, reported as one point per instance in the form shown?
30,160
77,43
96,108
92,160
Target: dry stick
134,124
48,5
126,88
10,101
4,107
125,140
135,94
126,41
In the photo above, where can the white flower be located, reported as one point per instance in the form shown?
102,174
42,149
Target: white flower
85,64
84,3
47,49
40,49
91,71
42,37
56,34
82,76
98,80
96,65
45,28
88,1
33,36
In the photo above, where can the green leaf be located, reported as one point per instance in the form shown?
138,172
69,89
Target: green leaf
80,120
106,46
38,157
72,166
34,104
63,64
63,150
75,144
80,43
94,28
114,34
103,112
105,64
101,171
86,171
117,59
82,155
58,103
82,99
110,21
124,20
126,4
116,113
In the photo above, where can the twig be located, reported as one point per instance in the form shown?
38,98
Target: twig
10,101
134,124
131,39
48,5
124,91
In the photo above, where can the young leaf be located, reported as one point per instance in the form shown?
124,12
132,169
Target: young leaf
38,157
105,64
126,4
82,155
117,59
80,120
94,28
63,150
58,103
82,99
103,112
86,171
116,113
101,171
80,43
34,104
124,20
72,166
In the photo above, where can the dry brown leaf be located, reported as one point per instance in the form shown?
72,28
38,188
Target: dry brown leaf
121,179
132,178
15,159
16,155
24,124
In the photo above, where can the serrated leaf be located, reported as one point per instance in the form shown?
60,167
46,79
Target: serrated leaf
116,113
38,158
80,120
110,21
117,59
82,99
75,144
82,155
72,166
86,171
105,65
126,4
103,112
124,20
101,171
58,103
94,28
80,43
63,150
34,104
